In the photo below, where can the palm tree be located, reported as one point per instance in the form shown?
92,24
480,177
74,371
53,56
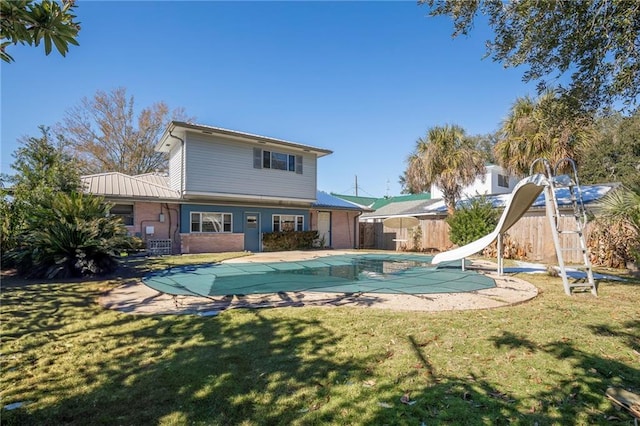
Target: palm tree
446,158
624,205
548,127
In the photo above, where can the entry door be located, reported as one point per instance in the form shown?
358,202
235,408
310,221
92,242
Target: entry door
324,227
252,232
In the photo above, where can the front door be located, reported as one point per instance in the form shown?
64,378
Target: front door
252,232
324,228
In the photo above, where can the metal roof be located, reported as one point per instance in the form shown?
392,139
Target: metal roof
402,208
160,179
115,184
161,146
590,195
156,186
330,201
361,201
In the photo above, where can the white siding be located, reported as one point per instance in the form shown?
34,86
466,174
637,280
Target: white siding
220,165
489,186
175,168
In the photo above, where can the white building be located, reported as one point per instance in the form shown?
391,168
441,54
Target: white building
495,181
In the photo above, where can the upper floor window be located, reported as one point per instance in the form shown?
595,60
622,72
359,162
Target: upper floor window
263,159
503,181
282,222
124,212
210,222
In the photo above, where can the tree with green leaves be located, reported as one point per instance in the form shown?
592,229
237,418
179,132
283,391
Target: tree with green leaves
41,169
544,127
106,135
69,235
473,220
592,44
49,227
29,22
447,158
613,155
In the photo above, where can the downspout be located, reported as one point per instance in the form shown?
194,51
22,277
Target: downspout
182,148
356,230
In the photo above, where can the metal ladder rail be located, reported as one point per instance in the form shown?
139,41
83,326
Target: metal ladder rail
552,211
551,206
580,217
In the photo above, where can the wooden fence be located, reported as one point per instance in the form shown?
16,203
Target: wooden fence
530,235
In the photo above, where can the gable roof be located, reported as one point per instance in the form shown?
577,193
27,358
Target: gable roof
167,140
115,184
160,179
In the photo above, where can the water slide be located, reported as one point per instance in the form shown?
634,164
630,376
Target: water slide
522,197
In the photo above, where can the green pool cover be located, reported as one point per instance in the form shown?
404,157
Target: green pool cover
358,273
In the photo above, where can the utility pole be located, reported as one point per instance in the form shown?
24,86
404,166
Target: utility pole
356,185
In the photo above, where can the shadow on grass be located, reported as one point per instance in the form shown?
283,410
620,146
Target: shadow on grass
194,369
255,368
593,374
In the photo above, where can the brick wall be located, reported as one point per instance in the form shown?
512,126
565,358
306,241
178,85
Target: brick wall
211,243
148,214
342,228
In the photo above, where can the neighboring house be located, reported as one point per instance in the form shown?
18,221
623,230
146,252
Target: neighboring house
495,181
226,188
532,232
390,206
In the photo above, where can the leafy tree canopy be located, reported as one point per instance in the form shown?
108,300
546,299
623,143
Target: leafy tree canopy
595,42
29,22
42,169
106,136
613,155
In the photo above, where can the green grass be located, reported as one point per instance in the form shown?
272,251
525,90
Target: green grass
547,361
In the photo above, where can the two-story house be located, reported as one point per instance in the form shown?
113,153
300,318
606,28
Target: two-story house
230,187
495,180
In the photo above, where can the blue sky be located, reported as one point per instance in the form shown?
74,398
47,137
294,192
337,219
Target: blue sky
364,79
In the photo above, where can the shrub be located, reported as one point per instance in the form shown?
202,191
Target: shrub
476,219
289,240
69,235
416,238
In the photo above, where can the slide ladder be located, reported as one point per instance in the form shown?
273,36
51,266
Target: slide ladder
568,227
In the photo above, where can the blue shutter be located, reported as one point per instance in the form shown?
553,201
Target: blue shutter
257,158
299,164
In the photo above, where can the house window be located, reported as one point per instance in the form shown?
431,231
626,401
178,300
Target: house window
124,212
503,181
283,222
263,159
210,222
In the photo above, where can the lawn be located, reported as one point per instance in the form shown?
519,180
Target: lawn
547,361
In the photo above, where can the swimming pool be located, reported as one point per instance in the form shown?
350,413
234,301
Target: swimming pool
345,273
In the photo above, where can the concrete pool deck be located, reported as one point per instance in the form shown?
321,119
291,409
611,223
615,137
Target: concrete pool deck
137,298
